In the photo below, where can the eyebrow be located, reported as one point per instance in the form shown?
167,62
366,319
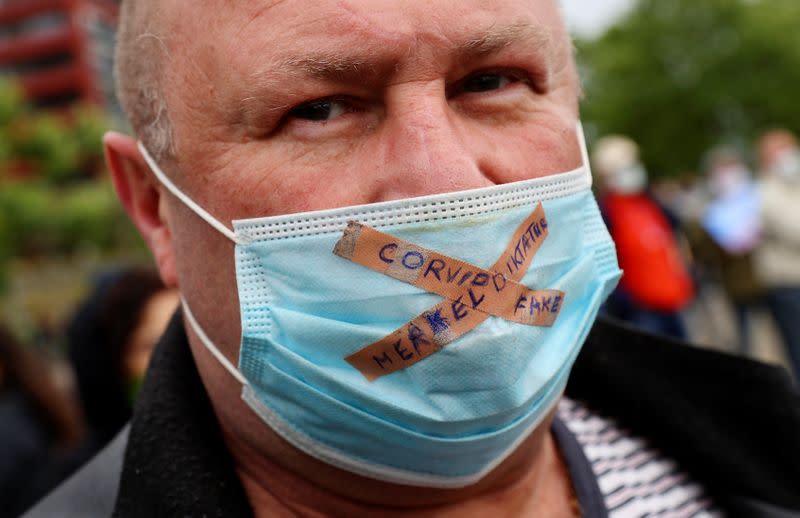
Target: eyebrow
336,67
363,67
341,68
498,38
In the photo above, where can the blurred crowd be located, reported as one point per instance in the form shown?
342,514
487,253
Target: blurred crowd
731,226
48,427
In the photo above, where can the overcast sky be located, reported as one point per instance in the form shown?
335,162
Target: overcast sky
590,17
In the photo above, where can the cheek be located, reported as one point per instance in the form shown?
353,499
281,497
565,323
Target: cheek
298,180
270,178
205,262
295,191
528,151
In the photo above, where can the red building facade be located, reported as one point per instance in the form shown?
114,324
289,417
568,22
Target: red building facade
60,51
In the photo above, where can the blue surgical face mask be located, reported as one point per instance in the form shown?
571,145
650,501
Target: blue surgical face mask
445,421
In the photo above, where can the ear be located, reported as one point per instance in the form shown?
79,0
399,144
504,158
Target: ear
142,198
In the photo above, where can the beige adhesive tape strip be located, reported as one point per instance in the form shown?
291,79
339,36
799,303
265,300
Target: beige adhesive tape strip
501,294
467,285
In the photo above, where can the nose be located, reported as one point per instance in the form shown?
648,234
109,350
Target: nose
422,151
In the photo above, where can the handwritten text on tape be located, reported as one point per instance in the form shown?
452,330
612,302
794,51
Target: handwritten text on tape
471,293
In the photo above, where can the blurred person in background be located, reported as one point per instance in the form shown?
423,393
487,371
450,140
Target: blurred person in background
777,259
37,419
656,285
683,197
726,234
111,338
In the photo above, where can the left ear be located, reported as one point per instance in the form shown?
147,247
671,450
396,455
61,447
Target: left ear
142,198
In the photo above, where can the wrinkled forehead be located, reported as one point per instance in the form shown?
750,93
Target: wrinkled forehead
270,32
213,14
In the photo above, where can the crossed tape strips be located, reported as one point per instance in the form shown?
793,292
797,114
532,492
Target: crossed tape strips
471,293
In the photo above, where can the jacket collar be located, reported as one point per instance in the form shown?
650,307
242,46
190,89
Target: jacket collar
176,462
697,406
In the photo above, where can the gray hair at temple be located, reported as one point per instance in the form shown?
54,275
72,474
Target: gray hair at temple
138,69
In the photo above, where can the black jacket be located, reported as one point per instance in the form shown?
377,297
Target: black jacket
733,424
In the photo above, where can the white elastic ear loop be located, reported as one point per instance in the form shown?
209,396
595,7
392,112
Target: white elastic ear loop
205,340
197,209
585,152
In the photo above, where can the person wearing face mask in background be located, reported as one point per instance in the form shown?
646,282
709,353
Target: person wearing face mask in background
727,233
656,285
777,259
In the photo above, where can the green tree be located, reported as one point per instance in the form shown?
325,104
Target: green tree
54,201
681,76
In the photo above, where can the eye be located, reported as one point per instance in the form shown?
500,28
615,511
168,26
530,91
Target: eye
321,110
485,82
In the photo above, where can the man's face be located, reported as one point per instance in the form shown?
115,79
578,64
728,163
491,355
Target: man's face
283,107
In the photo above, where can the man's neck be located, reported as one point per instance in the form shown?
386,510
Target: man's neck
532,482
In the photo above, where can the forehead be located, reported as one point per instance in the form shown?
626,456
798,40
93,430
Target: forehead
383,17
268,32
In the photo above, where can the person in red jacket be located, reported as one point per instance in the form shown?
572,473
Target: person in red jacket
656,284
